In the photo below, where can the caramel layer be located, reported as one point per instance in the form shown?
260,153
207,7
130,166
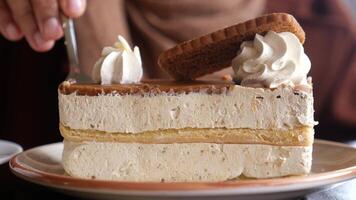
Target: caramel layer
148,87
301,136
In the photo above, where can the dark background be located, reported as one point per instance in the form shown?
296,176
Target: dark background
29,81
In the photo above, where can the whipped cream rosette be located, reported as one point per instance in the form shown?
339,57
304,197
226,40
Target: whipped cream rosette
118,64
272,60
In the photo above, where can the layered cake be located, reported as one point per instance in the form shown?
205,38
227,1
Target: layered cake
260,125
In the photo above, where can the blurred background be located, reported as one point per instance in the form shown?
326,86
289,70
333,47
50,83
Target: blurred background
29,80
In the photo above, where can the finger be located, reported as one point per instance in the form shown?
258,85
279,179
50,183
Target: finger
72,8
23,15
42,45
47,17
8,27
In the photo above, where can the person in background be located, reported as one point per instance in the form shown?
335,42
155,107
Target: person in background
29,88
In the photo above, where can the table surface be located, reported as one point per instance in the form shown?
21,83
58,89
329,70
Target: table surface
18,189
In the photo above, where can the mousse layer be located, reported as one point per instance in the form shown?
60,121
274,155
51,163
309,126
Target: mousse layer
232,107
182,162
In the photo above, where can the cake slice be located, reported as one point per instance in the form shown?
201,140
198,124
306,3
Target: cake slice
198,131
258,126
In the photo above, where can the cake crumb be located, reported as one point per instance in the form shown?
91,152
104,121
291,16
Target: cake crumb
227,77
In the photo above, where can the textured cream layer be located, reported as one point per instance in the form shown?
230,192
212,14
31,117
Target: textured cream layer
242,107
302,136
183,162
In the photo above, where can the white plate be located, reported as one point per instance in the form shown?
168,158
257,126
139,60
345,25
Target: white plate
333,163
7,150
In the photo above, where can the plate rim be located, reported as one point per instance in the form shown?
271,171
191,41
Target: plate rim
258,185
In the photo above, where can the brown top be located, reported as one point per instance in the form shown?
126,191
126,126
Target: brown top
214,51
148,87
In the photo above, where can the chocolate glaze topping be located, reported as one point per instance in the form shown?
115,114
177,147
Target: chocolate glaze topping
148,87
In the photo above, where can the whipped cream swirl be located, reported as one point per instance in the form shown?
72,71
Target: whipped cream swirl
272,60
118,64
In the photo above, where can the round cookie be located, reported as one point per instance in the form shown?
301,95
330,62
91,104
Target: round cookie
213,52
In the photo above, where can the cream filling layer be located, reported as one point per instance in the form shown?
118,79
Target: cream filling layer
242,107
303,136
182,162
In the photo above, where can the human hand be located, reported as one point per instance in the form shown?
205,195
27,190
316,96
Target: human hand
37,20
